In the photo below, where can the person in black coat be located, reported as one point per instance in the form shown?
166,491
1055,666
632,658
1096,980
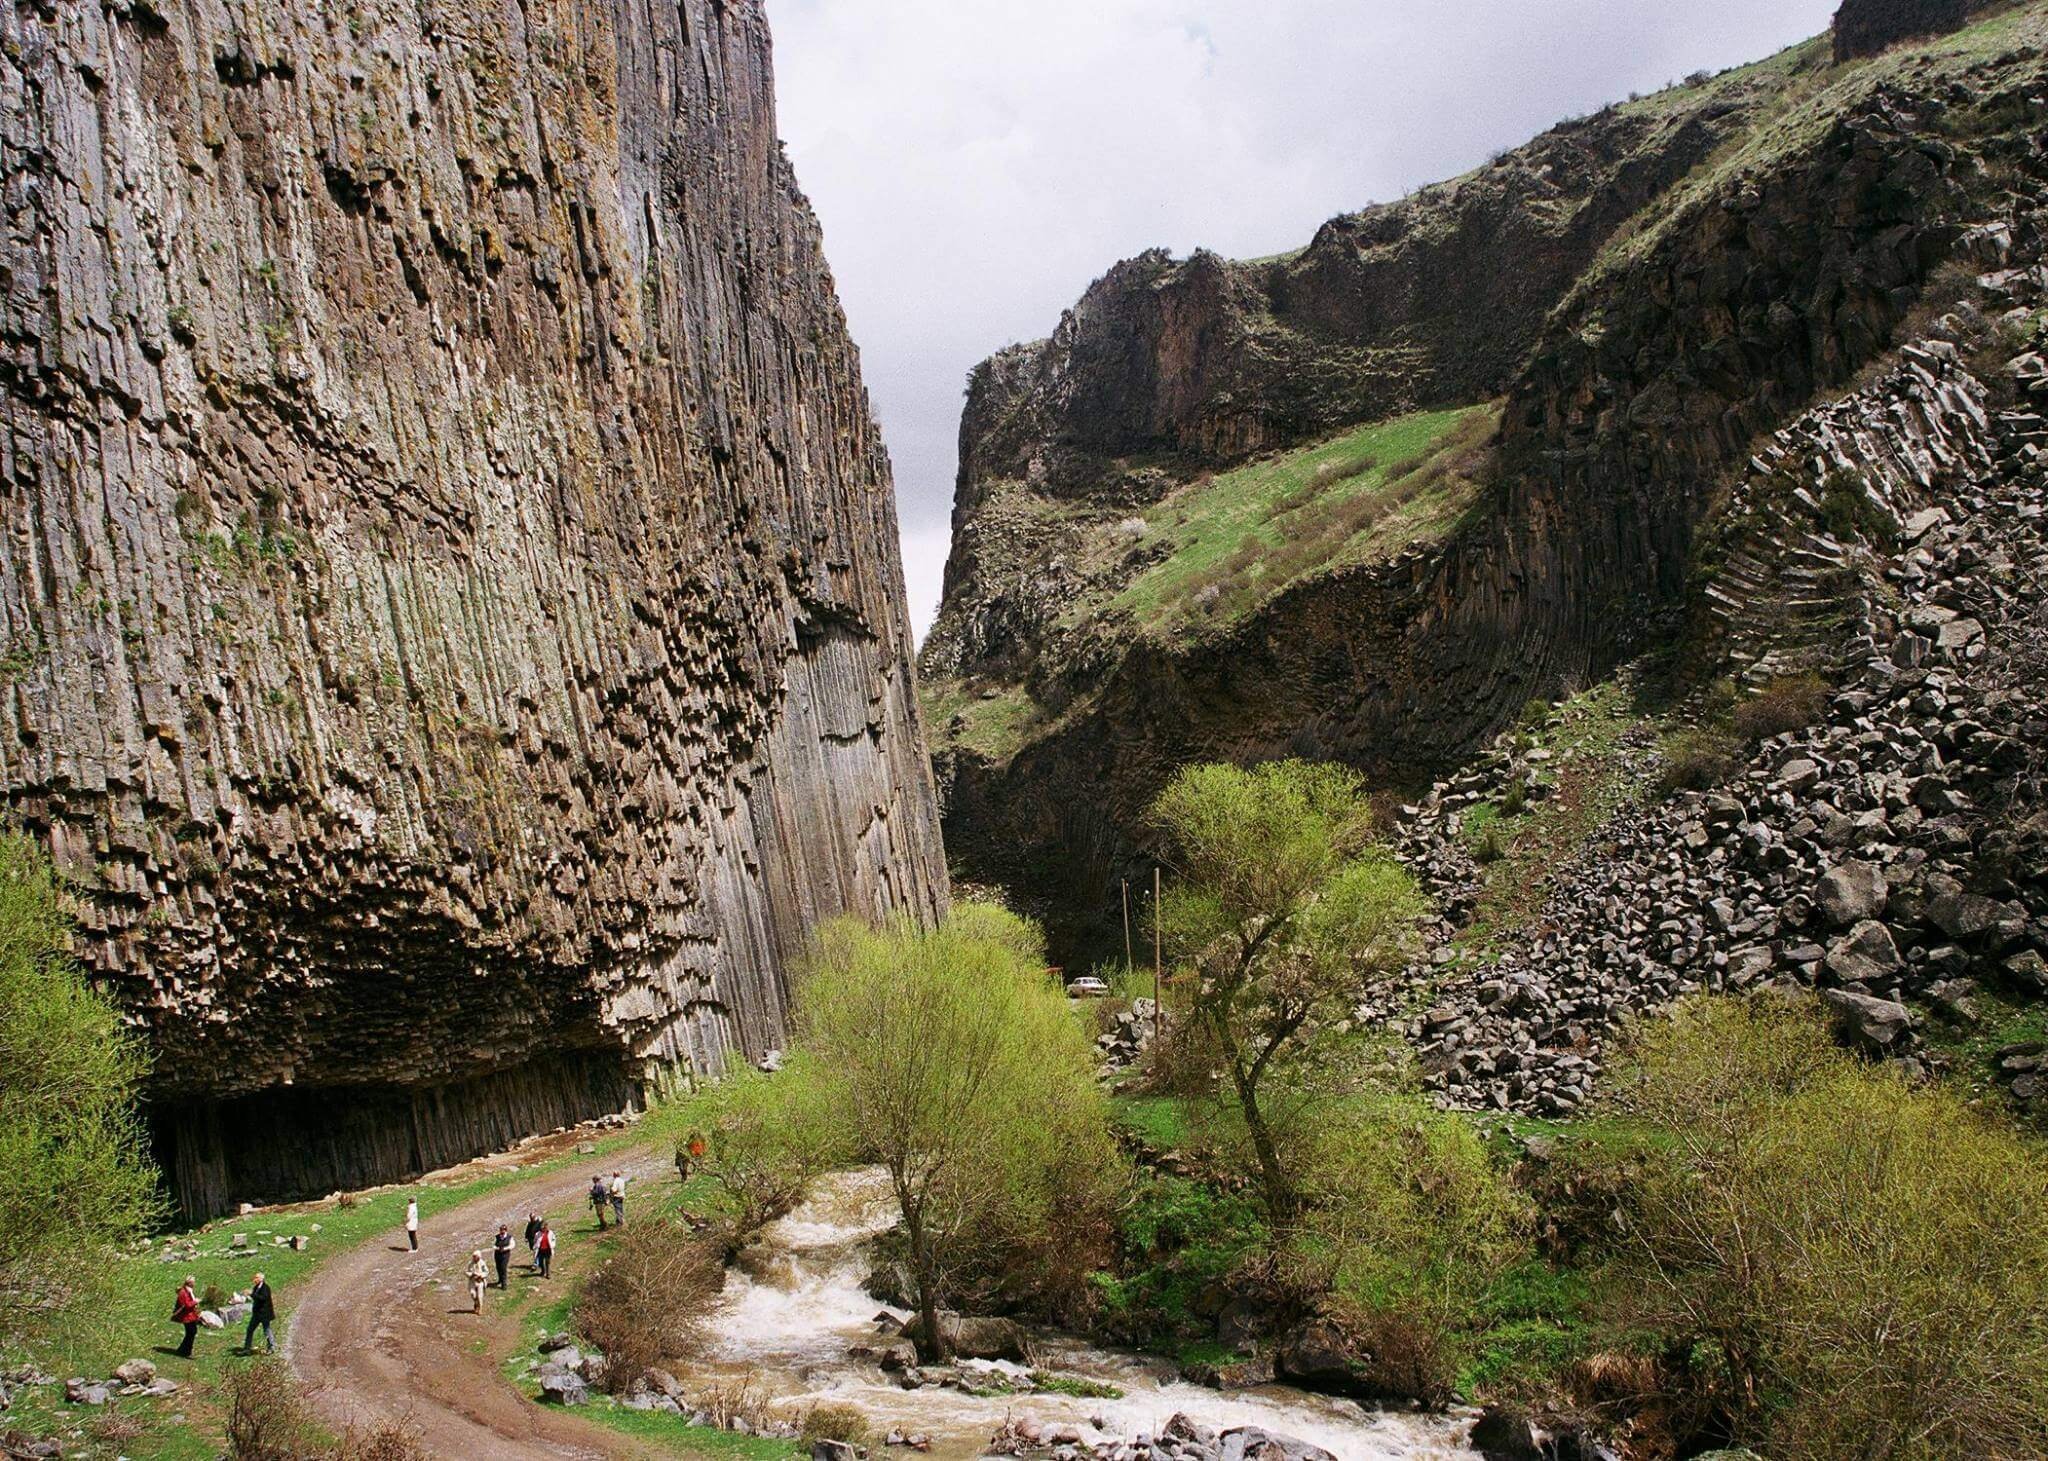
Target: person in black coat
533,1227
501,1252
263,1312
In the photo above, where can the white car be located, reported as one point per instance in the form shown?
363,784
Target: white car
1087,987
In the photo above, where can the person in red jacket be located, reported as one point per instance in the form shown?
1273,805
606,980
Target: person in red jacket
185,1311
544,1248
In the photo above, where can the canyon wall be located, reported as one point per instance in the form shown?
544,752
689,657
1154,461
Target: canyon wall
451,630
1769,271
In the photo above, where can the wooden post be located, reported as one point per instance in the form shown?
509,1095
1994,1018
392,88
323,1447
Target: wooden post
1158,995
1125,883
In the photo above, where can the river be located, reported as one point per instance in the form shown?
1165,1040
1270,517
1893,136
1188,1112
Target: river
787,1328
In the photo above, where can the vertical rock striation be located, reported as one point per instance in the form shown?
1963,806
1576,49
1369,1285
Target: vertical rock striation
451,630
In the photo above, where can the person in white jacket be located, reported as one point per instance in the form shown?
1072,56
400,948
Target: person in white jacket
478,1276
412,1223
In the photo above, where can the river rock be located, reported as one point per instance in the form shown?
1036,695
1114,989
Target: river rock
977,1338
1254,1443
135,1372
86,1392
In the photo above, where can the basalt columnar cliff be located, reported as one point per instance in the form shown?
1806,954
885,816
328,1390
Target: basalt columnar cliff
453,632
1366,500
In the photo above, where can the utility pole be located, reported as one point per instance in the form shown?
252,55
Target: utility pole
1125,883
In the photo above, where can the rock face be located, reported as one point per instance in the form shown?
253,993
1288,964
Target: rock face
1865,27
453,633
1727,306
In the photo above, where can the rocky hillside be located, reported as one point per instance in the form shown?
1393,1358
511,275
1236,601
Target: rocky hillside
453,635
1425,540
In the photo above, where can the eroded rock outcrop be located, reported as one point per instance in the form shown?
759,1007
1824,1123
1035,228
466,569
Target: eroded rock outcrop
453,633
1764,280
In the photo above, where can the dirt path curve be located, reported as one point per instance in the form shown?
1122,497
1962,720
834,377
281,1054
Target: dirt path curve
383,1334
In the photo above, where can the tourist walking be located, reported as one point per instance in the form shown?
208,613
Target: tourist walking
501,1252
477,1276
618,1196
533,1226
599,1196
262,1314
185,1311
544,1249
412,1223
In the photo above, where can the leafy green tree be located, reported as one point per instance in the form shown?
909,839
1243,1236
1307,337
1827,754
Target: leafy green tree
1287,913
74,1175
766,1138
1865,1261
953,1057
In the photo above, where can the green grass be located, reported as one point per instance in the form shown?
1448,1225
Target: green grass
1245,512
1159,1121
135,1323
996,727
1588,787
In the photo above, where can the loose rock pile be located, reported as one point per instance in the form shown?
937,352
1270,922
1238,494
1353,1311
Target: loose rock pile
1890,856
1180,1439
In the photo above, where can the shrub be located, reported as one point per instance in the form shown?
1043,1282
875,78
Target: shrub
267,1415
1406,1211
1862,1262
766,1138
835,1423
1848,511
1698,758
1490,847
69,1071
214,1297
641,1305
1515,800
1788,703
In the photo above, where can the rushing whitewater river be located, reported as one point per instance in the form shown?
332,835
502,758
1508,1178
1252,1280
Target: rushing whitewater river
787,1329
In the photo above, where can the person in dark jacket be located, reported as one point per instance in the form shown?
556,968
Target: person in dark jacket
501,1253
185,1311
262,1313
533,1227
600,1198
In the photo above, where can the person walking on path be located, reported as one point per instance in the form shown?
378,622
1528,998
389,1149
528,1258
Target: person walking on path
262,1314
478,1274
533,1226
544,1250
618,1196
598,1197
501,1253
185,1311
412,1223
688,1155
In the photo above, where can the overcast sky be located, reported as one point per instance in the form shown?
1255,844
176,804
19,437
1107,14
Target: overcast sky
977,162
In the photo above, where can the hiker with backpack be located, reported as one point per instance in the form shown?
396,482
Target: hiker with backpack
600,1197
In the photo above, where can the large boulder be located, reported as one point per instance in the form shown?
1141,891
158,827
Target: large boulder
976,1339
1852,892
1864,954
560,1386
1254,1443
135,1372
1878,1025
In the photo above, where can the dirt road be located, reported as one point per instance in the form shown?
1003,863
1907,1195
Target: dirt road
385,1334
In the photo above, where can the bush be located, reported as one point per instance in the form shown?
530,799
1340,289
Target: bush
69,1071
766,1138
641,1305
267,1415
835,1423
1862,1263
1788,703
1699,758
1406,1213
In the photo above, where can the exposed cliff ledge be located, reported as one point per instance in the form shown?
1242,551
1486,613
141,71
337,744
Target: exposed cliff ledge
452,622
1769,274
